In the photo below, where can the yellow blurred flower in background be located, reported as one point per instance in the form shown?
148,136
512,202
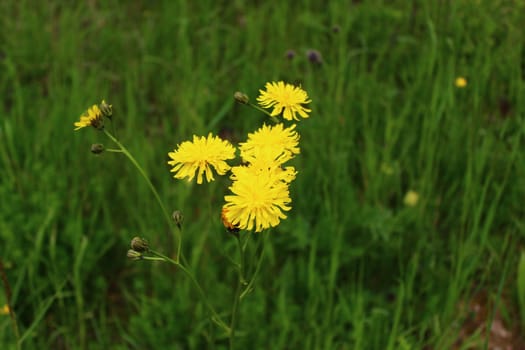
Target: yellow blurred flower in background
460,82
4,310
200,156
411,198
285,98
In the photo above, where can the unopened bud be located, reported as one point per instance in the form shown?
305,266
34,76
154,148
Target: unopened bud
134,255
178,218
314,56
290,54
107,110
97,148
241,97
139,244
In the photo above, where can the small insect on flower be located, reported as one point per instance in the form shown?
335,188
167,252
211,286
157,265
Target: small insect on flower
229,226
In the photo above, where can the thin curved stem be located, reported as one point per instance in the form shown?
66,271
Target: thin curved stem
152,188
275,120
7,290
241,281
215,316
249,286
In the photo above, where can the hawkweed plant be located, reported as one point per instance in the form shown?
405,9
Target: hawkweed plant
259,192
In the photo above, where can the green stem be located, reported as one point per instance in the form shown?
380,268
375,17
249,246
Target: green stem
152,188
7,290
215,317
249,286
275,120
240,282
152,258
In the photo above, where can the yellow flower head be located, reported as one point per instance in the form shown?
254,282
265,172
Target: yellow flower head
284,98
258,200
411,198
92,117
199,156
273,170
271,144
461,82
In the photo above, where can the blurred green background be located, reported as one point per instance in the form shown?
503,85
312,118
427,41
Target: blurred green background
353,266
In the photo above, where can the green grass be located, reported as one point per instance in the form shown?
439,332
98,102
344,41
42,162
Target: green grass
352,267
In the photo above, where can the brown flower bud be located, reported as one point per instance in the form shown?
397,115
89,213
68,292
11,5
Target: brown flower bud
97,148
139,244
178,218
241,97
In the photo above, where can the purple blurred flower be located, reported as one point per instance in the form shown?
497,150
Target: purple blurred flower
290,54
314,56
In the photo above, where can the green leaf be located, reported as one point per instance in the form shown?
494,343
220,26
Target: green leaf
521,285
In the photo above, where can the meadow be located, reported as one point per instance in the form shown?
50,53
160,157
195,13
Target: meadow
356,264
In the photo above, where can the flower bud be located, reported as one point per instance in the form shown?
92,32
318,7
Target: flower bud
314,56
97,148
241,97
290,54
107,110
134,255
178,218
139,244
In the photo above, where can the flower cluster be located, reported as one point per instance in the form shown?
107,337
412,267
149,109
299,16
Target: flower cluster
260,185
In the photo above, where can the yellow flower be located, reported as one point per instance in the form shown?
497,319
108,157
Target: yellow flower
94,116
5,310
284,97
411,198
461,82
258,200
200,156
275,170
271,144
